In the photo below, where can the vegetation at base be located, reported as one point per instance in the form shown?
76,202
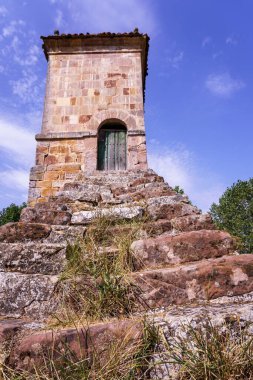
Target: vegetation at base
234,213
11,213
211,352
95,284
205,352
121,359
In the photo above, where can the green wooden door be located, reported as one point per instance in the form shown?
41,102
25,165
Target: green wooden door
112,150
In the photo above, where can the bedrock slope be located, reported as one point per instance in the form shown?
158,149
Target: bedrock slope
180,261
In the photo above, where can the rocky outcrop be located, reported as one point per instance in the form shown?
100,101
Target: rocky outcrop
180,262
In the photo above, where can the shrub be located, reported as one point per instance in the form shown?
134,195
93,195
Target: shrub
11,213
234,213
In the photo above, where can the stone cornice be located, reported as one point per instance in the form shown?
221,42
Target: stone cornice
77,135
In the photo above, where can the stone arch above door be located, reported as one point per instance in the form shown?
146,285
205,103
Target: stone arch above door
105,116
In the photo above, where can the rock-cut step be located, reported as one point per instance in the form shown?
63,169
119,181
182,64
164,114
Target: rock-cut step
185,247
29,350
196,282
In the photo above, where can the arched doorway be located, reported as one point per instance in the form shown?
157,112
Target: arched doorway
112,147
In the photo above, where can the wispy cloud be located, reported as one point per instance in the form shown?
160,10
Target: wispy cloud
223,85
17,179
28,88
230,40
58,18
111,15
3,11
17,142
206,41
176,59
179,167
13,27
17,149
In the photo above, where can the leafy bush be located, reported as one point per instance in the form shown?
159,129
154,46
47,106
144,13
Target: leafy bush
234,213
11,213
178,190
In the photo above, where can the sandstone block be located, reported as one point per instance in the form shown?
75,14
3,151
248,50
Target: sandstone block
65,234
185,247
169,207
31,258
26,295
198,282
81,342
13,232
31,215
193,222
85,217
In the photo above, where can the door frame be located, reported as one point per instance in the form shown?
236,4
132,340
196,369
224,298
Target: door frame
113,126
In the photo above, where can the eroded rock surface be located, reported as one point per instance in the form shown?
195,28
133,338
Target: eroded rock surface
182,268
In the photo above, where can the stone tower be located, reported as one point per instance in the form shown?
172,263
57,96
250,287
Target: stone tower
106,243
93,113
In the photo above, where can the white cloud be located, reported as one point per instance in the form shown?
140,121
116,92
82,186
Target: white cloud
3,11
17,149
230,40
176,59
13,27
17,142
31,56
223,85
111,15
217,54
179,167
58,18
28,88
206,41
17,179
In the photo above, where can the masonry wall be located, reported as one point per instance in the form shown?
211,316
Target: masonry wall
83,91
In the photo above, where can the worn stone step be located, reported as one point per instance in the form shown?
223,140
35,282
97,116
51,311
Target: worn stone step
170,207
20,231
32,258
47,215
195,282
184,247
44,233
117,212
27,295
29,351
193,222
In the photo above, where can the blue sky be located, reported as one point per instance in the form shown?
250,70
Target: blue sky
199,93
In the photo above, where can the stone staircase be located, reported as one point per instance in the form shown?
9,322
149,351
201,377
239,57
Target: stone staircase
182,264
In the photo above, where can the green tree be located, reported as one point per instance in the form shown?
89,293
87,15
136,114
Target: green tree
234,213
11,213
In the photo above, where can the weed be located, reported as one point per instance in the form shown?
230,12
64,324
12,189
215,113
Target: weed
121,359
212,352
95,283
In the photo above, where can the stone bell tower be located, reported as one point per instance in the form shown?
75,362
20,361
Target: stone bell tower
93,114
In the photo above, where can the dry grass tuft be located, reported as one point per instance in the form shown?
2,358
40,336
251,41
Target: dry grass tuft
95,283
122,359
212,352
